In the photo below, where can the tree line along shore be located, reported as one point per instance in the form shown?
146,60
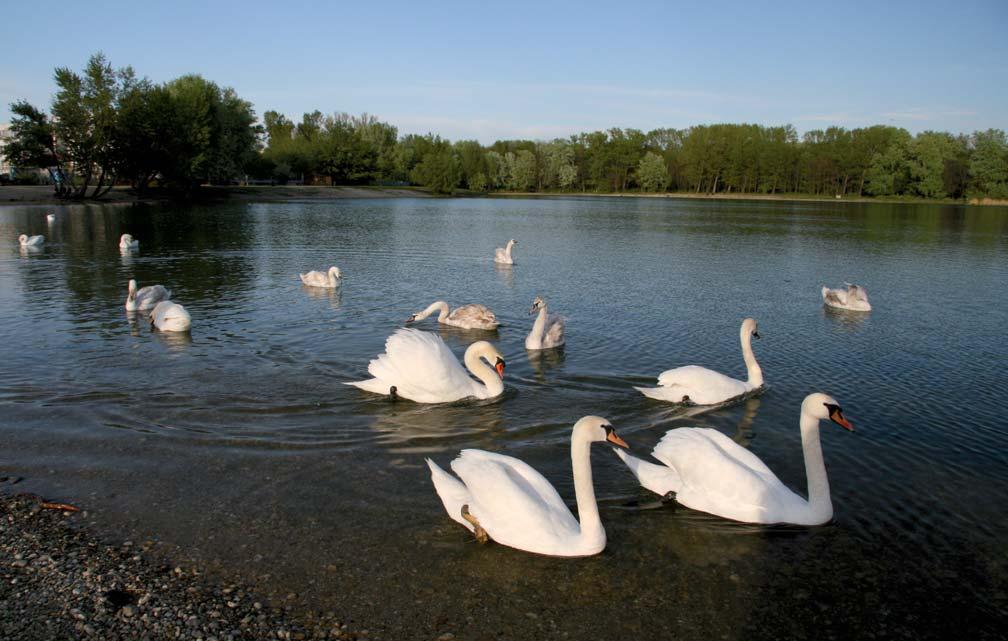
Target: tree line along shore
108,127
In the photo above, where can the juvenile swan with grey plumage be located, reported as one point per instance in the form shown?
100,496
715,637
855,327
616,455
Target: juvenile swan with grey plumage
472,316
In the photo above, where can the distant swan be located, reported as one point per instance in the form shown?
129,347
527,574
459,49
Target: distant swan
145,297
50,218
547,330
170,317
473,316
702,386
31,241
126,242
420,367
711,473
503,254
505,499
329,279
854,298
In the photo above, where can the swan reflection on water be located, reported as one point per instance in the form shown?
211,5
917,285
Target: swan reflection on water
333,295
505,273
543,360
406,427
845,319
31,250
174,341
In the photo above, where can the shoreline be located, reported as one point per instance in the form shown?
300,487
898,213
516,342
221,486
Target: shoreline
58,580
42,195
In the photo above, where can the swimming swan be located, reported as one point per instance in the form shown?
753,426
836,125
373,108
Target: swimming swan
711,473
419,366
50,218
504,499
467,317
547,330
145,297
854,298
31,241
703,386
126,242
320,279
503,254
170,317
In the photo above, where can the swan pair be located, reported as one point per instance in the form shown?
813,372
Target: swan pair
127,243
503,256
329,280
702,386
853,298
31,241
165,315
502,498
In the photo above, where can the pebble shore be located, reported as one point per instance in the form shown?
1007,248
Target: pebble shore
60,582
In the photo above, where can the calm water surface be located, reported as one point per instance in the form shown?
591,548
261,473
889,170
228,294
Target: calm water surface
239,446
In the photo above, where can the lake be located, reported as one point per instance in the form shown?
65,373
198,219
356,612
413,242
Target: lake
239,448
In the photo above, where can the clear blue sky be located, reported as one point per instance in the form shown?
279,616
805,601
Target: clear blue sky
540,69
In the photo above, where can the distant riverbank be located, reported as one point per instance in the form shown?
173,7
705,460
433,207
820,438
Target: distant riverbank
43,195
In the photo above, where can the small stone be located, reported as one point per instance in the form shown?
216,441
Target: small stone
128,611
447,636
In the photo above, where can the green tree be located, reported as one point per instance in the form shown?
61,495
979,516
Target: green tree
652,174
927,157
989,163
33,142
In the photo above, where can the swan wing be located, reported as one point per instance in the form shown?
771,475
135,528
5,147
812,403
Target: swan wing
453,493
147,297
314,279
659,479
554,330
422,368
514,503
474,314
721,477
703,386
834,296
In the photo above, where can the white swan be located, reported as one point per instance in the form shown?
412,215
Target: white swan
31,241
170,317
328,279
419,366
503,254
702,386
711,473
50,218
467,317
854,298
145,297
126,242
503,498
547,330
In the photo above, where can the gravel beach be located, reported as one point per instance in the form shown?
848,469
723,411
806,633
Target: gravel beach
60,582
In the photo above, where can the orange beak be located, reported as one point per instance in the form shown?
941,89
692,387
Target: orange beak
837,417
616,440
499,366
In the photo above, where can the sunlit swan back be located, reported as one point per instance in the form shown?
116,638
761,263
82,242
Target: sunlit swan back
503,254
709,472
852,298
170,317
329,279
145,297
467,317
420,367
547,330
516,506
702,386
127,242
31,241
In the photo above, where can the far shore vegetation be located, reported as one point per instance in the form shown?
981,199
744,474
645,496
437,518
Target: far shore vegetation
107,127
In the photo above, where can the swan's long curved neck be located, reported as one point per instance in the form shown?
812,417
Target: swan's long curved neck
492,382
815,469
436,306
584,490
755,373
539,326
507,248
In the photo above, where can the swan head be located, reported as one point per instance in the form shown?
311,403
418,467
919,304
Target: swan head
823,407
489,353
537,304
334,272
23,239
125,239
596,428
132,287
749,325
512,242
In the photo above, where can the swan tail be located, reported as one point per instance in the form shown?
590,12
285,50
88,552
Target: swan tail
656,478
453,493
372,385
